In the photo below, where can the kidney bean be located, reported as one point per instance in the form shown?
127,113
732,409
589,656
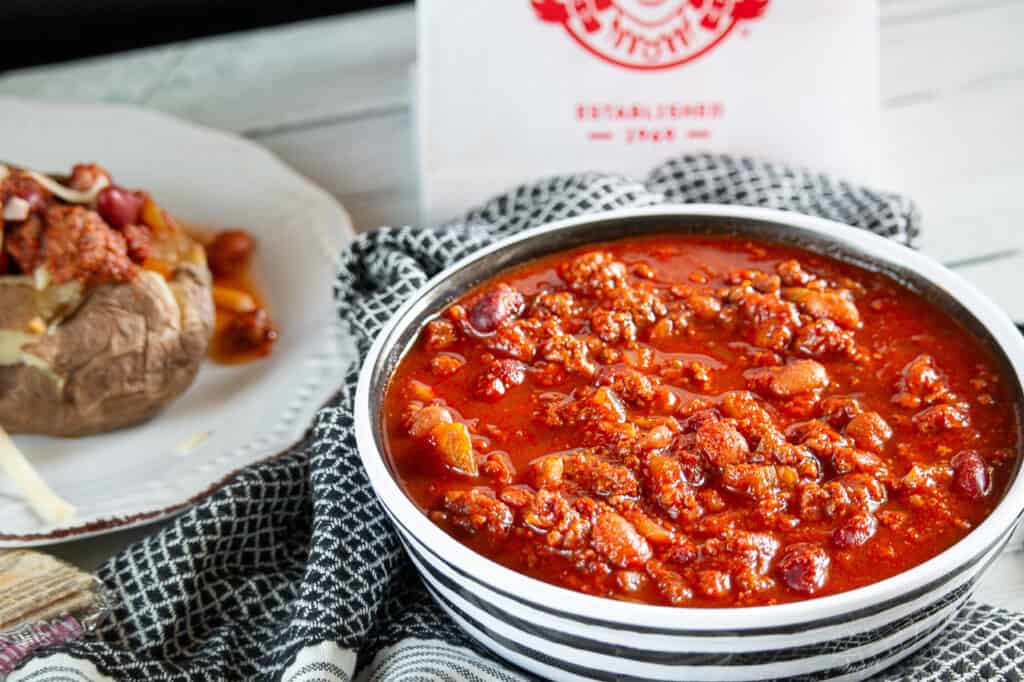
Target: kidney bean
230,252
922,383
869,431
722,443
804,567
618,541
971,474
118,206
855,531
941,418
494,307
655,439
251,331
831,305
795,378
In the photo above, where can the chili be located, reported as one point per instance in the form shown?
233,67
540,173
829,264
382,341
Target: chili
701,421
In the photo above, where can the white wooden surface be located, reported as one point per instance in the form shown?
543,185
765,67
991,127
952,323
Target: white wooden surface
331,97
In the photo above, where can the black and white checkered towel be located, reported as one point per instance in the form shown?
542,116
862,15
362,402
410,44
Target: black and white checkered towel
292,572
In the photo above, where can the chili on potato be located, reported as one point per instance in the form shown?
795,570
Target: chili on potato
700,421
117,234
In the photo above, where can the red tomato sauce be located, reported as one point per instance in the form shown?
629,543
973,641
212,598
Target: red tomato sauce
701,422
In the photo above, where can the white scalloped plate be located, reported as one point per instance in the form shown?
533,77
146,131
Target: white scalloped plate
251,412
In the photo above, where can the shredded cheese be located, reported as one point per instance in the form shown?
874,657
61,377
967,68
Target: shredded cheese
40,278
192,442
40,497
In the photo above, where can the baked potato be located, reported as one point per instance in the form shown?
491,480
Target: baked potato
105,313
123,353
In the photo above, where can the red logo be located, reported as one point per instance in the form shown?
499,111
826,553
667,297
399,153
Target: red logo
649,34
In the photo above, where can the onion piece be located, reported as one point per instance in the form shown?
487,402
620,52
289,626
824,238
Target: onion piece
69,195
16,209
40,497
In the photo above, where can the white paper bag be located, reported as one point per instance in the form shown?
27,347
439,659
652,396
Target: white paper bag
509,90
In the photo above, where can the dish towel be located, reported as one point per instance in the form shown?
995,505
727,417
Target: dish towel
292,571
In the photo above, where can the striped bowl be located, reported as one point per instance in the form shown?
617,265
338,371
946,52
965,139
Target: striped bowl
565,635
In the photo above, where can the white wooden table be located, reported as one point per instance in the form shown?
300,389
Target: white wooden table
338,111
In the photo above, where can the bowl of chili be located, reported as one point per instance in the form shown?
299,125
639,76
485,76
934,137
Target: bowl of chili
697,442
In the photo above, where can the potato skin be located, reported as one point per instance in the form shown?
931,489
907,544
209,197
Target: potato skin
127,351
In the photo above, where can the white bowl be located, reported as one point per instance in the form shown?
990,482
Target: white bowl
566,635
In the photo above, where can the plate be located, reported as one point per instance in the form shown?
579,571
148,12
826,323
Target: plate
232,416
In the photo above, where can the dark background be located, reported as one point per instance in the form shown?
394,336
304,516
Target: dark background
43,31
